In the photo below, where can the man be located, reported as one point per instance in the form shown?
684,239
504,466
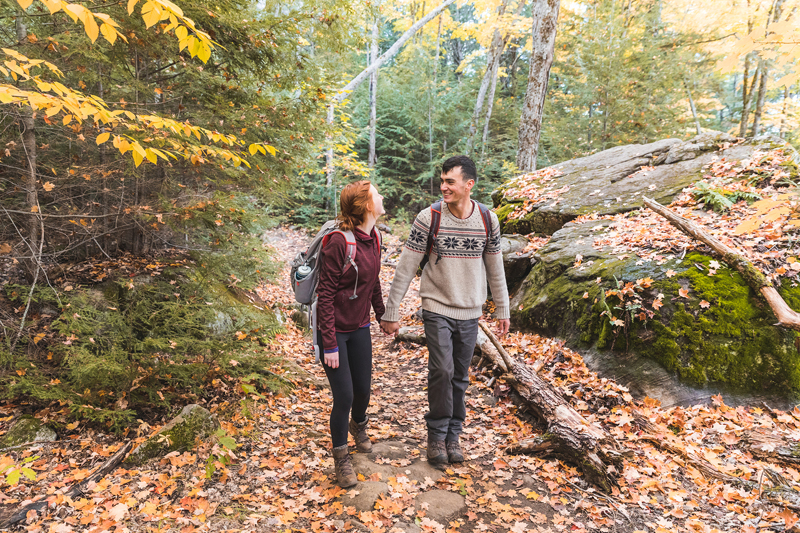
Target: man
453,291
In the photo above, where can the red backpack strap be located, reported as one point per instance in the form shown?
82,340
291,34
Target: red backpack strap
433,229
486,216
350,243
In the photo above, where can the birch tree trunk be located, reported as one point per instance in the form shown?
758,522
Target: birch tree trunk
692,106
329,162
747,97
762,94
28,134
358,80
489,106
432,97
390,53
782,131
373,96
545,23
495,49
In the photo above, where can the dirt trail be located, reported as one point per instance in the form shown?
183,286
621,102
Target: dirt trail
490,491
280,477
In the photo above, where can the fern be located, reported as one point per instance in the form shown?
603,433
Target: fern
721,200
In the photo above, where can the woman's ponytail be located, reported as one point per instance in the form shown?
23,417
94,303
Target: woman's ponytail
354,204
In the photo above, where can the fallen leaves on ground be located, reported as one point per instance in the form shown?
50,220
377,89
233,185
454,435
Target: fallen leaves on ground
279,477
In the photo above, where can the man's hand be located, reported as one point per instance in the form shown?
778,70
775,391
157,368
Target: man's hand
390,328
332,359
502,327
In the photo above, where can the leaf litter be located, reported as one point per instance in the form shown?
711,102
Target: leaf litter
280,476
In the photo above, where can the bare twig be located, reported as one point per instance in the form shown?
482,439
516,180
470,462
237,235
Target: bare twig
78,488
503,353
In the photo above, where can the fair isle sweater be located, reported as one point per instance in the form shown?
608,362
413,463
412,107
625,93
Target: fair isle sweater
453,282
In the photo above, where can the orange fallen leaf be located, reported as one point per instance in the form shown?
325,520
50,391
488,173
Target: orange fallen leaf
684,293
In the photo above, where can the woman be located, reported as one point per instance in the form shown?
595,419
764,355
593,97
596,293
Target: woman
343,313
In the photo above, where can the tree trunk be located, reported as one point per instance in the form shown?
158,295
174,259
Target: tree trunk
390,53
489,106
545,23
762,94
692,106
485,82
32,197
493,58
329,162
786,316
782,132
569,435
373,96
432,97
747,97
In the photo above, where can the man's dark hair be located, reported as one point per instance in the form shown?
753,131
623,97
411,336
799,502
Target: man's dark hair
468,170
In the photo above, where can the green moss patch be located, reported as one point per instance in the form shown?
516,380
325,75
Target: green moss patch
731,340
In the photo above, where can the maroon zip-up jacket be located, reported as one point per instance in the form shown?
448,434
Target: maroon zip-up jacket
335,310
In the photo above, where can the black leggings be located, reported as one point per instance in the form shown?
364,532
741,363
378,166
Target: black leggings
351,382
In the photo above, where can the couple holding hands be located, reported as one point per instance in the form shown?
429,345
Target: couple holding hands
464,253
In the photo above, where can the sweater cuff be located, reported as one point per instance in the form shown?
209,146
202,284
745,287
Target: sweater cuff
332,350
502,313
391,315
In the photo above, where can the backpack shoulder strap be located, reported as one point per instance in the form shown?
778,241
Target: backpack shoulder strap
433,229
350,244
486,216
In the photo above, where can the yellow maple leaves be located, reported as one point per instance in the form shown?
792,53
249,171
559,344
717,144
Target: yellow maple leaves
770,210
53,97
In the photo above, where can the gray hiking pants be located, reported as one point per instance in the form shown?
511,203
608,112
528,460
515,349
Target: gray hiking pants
451,344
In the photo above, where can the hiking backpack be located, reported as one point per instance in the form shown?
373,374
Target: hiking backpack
306,266
433,229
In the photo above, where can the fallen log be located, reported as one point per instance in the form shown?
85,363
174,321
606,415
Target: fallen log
569,436
787,317
76,490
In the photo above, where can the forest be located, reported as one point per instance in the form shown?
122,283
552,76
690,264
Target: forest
161,163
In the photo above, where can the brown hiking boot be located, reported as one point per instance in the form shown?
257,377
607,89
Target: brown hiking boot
345,476
454,453
437,454
359,432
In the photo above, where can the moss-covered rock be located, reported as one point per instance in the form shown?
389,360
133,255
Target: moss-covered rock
180,434
731,342
27,429
608,182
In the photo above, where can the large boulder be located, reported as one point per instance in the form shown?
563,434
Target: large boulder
712,332
728,344
610,181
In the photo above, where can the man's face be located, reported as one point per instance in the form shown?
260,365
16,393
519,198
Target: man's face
454,188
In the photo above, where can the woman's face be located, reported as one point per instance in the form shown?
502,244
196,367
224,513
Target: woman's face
377,202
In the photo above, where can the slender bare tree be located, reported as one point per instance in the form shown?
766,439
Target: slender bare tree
373,96
545,23
355,82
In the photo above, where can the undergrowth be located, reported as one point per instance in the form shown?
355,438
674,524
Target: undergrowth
135,350
142,345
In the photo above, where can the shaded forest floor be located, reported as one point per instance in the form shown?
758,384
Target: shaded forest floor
280,477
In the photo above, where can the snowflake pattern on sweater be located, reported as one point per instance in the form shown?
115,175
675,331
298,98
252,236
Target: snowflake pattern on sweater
462,242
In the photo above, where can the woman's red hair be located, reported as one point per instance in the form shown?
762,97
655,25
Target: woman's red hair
355,202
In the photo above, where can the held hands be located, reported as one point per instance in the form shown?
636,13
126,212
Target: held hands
390,328
332,359
502,327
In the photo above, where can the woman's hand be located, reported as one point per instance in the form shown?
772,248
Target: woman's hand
332,359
